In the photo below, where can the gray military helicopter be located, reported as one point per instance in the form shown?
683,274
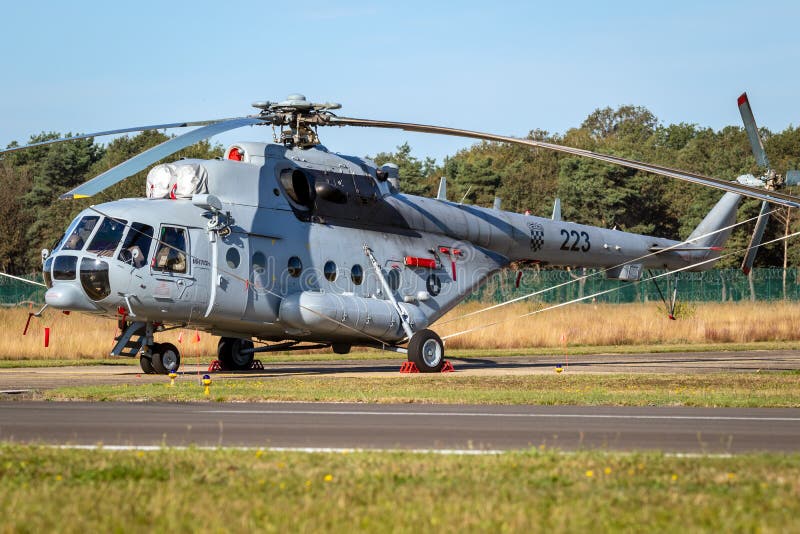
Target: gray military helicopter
294,246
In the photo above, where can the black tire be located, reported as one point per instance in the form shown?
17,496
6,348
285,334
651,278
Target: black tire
426,350
166,358
230,356
146,365
341,348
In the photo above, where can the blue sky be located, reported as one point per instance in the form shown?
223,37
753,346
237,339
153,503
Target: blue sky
500,67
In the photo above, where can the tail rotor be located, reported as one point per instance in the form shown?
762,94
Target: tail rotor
770,180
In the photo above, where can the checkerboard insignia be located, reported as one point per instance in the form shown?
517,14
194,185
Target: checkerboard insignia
537,236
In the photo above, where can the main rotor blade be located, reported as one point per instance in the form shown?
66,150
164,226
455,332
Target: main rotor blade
148,157
755,239
114,132
752,131
734,187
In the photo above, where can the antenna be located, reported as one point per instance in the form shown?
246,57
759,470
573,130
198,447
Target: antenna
465,194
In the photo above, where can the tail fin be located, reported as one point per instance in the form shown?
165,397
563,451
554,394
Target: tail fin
722,215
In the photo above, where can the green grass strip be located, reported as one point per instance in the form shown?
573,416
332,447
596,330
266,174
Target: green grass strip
779,389
45,490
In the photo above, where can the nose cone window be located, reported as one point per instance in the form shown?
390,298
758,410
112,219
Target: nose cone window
65,267
105,241
172,251
94,278
137,245
81,233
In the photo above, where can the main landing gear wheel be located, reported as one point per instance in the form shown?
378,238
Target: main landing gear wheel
341,348
426,350
165,358
230,355
147,365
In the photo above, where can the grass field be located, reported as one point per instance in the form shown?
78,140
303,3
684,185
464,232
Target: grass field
46,490
584,325
709,390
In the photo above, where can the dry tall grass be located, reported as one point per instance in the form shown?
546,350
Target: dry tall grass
80,336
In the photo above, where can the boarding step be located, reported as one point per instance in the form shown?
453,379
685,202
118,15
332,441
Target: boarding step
131,341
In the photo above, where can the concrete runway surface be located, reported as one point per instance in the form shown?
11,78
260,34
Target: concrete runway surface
362,426
677,362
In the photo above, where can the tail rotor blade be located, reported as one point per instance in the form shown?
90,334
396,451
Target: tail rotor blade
755,239
158,152
752,131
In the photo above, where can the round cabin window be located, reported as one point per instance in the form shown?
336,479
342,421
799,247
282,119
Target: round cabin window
357,274
295,266
393,278
330,271
232,258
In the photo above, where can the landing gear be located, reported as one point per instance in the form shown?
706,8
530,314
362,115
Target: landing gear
230,355
146,364
165,358
341,348
426,350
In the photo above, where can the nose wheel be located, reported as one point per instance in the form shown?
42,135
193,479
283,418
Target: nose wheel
163,358
426,350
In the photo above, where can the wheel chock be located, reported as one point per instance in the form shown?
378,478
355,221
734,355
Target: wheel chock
257,365
409,367
215,365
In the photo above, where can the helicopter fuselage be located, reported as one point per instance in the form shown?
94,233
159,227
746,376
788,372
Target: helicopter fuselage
285,254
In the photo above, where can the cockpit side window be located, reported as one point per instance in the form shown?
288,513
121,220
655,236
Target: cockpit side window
105,241
81,233
172,251
136,246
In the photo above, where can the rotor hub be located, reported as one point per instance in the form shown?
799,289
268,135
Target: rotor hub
297,117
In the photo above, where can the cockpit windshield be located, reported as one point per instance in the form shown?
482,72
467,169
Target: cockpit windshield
105,241
81,233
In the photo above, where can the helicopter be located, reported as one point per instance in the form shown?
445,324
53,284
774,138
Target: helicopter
294,247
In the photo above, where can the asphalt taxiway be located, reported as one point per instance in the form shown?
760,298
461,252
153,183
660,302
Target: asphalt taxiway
34,378
415,427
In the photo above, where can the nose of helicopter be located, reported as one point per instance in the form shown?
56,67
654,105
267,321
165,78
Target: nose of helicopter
68,296
77,289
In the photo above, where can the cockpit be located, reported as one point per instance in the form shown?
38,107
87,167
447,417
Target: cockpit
94,243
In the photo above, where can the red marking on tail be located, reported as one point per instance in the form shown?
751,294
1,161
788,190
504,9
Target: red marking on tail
46,336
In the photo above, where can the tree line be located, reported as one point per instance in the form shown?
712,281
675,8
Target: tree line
609,196
591,192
